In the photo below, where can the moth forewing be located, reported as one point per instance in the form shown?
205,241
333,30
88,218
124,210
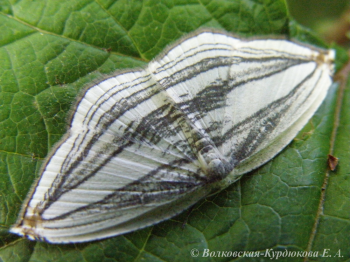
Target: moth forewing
145,144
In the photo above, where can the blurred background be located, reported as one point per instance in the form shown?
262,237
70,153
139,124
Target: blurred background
329,18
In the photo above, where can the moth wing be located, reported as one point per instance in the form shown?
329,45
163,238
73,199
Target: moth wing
194,73
251,96
122,165
287,84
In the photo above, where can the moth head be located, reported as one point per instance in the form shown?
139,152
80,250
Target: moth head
28,225
326,57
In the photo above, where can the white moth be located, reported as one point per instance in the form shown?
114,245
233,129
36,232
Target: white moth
145,144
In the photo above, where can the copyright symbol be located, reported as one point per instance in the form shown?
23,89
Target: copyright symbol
194,252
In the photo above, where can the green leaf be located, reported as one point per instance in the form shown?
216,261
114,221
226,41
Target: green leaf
50,50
